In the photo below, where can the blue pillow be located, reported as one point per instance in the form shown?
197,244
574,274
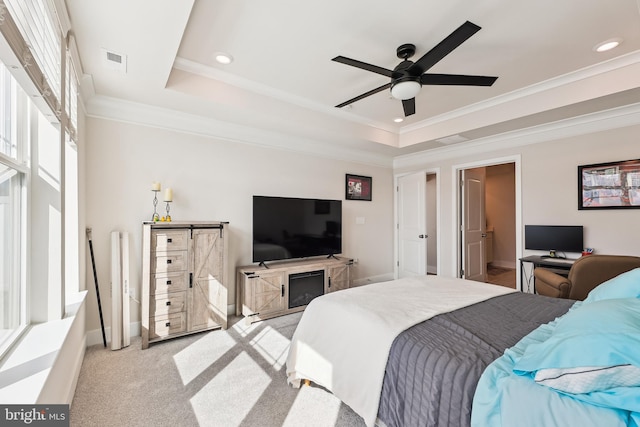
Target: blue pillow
625,285
604,333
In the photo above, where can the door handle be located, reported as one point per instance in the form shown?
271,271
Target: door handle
484,234
423,236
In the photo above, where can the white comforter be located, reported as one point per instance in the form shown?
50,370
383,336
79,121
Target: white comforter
343,339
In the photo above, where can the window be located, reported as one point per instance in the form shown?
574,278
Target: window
12,216
8,91
38,166
11,289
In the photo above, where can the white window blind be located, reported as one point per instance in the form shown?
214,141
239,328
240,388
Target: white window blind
8,90
72,98
35,21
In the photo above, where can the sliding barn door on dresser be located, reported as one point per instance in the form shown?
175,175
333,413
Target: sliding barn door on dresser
184,279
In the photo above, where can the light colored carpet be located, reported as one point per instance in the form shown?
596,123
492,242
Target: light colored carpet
217,378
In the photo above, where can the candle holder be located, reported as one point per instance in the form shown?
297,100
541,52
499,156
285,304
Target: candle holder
155,217
168,217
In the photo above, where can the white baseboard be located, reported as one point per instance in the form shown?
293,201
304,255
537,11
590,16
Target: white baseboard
95,336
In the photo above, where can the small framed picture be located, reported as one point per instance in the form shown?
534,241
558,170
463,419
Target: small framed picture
358,187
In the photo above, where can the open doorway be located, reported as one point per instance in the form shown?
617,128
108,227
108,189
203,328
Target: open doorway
500,213
489,221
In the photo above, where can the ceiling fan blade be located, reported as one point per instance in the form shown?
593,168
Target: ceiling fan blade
456,79
444,48
364,95
409,106
363,65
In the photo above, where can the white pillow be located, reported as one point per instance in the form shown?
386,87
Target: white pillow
587,379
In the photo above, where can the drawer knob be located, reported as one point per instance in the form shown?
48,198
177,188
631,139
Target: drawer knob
168,261
168,282
168,302
169,240
167,324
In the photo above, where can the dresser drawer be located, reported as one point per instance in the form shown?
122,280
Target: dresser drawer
169,240
163,326
175,302
167,262
168,282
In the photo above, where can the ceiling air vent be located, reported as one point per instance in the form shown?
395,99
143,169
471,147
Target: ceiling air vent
114,61
453,139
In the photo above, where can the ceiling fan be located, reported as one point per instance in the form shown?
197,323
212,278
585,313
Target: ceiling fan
408,76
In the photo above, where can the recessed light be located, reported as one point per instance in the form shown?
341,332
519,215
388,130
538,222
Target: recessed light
398,120
223,58
607,45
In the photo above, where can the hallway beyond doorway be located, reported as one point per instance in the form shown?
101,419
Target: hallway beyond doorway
501,276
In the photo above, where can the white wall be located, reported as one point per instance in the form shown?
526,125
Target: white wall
215,180
549,188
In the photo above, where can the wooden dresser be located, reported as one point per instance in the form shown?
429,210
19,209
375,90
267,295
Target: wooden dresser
184,279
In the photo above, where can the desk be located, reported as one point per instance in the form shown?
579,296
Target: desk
557,265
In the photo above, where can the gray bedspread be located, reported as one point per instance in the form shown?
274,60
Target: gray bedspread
434,366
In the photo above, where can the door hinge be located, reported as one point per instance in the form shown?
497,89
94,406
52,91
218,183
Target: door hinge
398,263
461,273
191,280
462,183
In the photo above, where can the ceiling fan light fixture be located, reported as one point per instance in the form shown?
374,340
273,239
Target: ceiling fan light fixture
405,89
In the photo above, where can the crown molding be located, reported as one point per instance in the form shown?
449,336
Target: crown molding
252,86
604,67
120,110
589,123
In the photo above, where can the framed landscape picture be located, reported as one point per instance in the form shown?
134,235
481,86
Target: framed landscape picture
614,185
358,187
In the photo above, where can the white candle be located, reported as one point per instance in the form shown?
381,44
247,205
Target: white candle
168,195
155,186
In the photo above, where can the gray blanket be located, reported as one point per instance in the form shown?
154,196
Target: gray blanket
434,366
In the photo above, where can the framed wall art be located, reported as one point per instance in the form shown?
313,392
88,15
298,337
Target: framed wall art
614,185
358,187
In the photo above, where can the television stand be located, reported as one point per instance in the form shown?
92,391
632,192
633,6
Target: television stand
264,292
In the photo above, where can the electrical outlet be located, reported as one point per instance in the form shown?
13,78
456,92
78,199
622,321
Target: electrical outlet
355,260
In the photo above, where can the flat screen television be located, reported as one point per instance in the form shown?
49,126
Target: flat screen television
287,228
554,238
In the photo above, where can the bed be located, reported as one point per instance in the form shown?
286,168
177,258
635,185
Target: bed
412,351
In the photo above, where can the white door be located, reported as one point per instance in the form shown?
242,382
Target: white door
474,224
412,225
